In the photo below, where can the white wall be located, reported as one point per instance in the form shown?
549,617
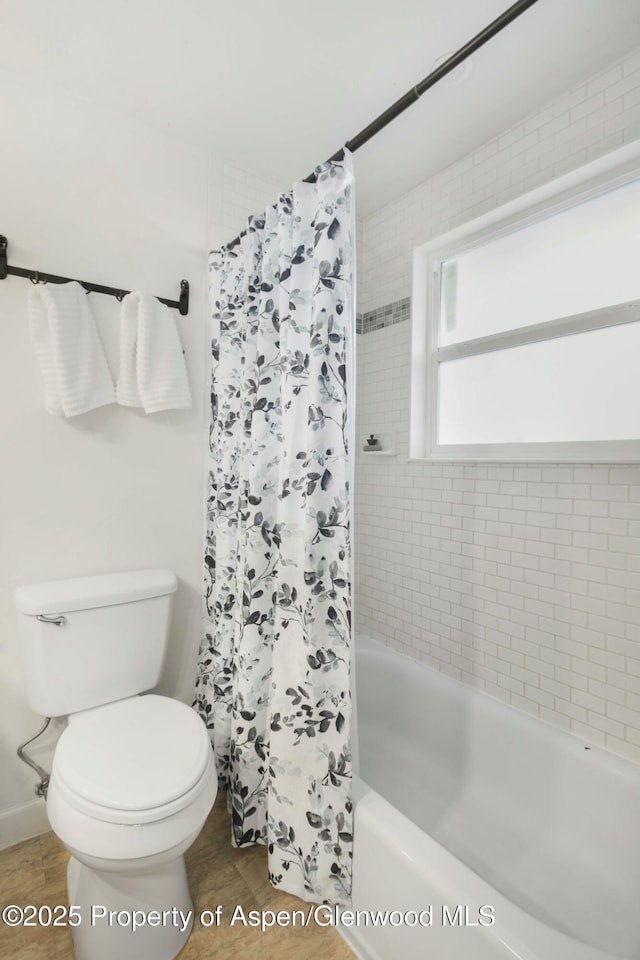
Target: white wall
244,193
521,579
88,195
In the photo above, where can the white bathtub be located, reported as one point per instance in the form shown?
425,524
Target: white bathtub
465,801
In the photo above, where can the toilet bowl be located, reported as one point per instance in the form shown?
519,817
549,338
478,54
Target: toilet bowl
131,787
133,777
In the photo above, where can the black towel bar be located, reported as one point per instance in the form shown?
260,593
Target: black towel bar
37,276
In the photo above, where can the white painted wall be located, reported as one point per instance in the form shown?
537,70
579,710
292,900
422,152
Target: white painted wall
86,194
521,579
244,193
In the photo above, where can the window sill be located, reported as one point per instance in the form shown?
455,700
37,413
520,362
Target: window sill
554,461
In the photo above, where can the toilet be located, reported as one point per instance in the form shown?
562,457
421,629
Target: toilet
133,777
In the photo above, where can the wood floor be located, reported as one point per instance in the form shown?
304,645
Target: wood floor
34,872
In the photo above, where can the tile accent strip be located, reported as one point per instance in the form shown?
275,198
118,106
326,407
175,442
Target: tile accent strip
383,316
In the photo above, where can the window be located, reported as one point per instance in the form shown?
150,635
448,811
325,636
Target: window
526,326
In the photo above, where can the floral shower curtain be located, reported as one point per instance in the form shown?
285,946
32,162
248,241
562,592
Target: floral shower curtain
274,665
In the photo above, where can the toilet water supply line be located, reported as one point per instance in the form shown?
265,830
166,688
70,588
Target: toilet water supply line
43,786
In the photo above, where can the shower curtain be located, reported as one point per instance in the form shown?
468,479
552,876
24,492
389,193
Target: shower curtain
274,665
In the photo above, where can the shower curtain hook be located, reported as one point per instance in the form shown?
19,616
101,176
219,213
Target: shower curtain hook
183,302
3,258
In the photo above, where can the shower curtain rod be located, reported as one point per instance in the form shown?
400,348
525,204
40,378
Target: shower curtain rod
509,15
409,98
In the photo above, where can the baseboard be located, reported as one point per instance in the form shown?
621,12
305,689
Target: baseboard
21,823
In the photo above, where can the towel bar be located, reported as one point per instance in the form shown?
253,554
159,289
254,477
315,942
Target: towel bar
37,276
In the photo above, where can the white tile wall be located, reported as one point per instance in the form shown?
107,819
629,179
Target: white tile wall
523,580
592,119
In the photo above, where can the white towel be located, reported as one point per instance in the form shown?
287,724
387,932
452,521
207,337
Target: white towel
65,338
152,369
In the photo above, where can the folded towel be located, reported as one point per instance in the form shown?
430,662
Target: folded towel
65,338
152,369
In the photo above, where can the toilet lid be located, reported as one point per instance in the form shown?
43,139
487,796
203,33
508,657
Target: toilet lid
133,755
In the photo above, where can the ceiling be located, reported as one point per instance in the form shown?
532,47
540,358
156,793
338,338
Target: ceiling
275,86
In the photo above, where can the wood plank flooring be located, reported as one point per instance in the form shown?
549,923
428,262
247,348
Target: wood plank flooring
34,872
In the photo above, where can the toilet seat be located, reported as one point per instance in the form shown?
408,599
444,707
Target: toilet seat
134,761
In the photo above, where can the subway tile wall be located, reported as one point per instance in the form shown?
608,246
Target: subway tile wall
384,316
591,119
523,580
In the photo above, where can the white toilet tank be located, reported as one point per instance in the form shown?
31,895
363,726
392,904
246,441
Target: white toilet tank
93,640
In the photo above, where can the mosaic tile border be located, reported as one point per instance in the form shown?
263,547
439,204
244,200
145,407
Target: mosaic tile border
383,316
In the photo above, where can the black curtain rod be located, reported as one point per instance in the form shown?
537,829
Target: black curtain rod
37,276
509,15
409,98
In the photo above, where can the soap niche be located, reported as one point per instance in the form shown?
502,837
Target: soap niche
384,444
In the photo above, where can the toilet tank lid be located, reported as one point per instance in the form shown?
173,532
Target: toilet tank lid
85,593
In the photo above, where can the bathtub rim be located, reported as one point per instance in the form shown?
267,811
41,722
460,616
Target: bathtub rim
365,643
560,944
540,941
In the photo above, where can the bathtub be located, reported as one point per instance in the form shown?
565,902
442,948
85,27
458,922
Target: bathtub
467,804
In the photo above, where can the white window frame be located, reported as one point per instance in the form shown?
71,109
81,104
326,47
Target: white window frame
617,168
